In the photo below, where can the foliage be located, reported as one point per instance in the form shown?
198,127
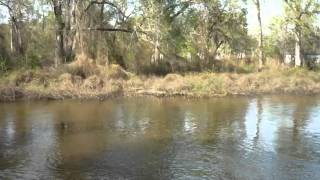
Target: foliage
149,36
3,64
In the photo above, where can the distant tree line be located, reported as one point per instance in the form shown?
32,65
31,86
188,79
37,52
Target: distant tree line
151,36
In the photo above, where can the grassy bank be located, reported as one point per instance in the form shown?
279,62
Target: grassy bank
84,80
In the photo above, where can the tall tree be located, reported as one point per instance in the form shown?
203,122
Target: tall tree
59,28
261,52
16,9
218,24
73,17
299,13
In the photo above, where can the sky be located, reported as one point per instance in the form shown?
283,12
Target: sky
269,10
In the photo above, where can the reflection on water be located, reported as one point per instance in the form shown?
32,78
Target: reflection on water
147,138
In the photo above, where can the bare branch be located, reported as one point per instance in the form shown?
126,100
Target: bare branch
6,5
110,29
102,2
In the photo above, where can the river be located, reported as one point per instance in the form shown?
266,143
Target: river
273,137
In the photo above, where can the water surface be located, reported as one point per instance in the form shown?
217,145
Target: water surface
148,138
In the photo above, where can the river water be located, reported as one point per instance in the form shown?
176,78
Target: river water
147,138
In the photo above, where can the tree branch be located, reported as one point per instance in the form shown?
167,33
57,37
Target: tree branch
102,2
6,5
110,29
115,30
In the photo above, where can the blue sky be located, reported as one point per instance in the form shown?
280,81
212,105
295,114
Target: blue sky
269,8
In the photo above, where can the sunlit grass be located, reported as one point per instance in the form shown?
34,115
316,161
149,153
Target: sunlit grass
105,81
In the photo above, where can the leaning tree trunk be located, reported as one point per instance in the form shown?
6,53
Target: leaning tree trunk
59,47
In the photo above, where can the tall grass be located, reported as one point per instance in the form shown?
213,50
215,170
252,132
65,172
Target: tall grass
88,80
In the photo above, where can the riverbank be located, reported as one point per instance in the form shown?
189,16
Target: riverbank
81,80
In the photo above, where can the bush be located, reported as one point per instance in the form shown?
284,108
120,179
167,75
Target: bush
33,61
82,66
115,72
236,65
93,82
3,64
161,68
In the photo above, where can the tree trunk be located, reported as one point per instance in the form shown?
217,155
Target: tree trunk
19,43
156,54
70,29
102,48
298,58
261,53
156,40
59,49
11,39
212,56
17,46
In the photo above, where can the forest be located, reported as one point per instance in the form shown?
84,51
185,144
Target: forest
98,48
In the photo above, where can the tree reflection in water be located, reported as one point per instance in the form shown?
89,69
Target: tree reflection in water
170,138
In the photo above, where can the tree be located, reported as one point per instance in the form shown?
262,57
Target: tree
217,24
261,53
301,13
175,34
59,28
280,41
17,10
73,18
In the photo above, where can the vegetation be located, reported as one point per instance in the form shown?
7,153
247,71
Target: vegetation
100,48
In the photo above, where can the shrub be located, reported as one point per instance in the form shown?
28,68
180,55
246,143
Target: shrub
32,61
114,72
82,66
3,64
93,82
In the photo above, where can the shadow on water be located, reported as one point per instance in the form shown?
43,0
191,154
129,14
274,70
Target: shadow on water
149,138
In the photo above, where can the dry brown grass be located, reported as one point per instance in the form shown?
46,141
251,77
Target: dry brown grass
96,81
93,82
82,66
114,71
